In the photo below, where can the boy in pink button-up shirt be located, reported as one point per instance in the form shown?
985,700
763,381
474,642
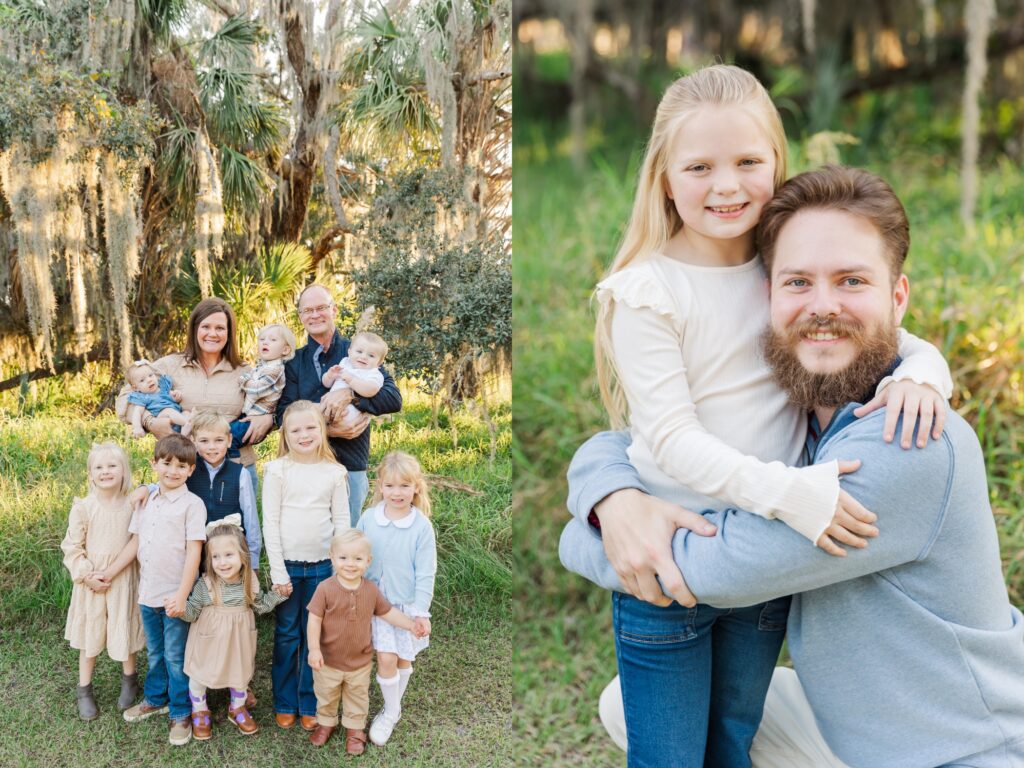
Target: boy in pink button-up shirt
167,537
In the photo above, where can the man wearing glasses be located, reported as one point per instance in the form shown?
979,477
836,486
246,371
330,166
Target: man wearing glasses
303,374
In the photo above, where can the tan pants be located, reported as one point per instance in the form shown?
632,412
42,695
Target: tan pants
352,689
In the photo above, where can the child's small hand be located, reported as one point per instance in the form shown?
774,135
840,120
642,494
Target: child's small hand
138,498
284,590
851,523
912,400
347,377
421,626
316,659
173,607
176,395
97,582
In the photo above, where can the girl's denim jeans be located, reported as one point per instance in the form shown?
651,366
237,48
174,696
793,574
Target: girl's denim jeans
290,673
694,680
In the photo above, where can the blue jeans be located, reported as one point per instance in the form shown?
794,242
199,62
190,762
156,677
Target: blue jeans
290,674
358,487
238,430
166,681
694,680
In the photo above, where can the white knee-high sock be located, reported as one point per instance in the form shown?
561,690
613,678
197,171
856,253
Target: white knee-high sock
403,680
389,689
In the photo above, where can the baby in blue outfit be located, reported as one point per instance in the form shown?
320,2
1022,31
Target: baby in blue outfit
152,390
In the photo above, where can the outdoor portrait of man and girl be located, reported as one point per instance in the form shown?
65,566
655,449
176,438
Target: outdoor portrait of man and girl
787,465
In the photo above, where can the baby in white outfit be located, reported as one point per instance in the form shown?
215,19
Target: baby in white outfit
359,371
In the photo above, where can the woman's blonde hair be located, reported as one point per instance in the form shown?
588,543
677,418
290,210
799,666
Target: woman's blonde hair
401,466
654,219
126,468
236,534
324,452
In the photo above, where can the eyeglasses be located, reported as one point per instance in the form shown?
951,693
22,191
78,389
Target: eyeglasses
315,310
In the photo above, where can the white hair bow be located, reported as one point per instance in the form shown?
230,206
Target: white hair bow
234,519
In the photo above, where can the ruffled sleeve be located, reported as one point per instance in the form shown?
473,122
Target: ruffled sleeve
647,328
75,558
639,288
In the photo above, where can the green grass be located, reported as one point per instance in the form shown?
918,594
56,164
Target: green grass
457,709
965,298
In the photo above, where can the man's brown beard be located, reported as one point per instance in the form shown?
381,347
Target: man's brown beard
831,390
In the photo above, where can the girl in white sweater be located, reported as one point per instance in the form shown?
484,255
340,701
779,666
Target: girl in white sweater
305,503
677,344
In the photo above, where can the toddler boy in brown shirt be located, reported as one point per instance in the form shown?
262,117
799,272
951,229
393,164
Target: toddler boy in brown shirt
340,644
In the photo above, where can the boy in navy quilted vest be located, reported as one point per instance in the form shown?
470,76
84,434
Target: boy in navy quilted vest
223,485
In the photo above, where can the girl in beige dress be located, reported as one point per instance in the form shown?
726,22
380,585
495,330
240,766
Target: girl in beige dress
221,647
104,614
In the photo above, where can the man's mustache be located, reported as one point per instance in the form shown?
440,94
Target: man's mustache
837,326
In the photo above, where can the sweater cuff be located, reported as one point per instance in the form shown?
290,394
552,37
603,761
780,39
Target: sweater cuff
809,506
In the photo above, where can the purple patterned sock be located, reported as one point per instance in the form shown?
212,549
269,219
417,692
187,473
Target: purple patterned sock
237,698
198,702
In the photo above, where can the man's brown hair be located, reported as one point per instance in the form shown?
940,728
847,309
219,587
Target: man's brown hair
203,310
175,447
838,188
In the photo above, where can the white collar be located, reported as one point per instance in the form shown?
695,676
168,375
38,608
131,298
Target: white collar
384,521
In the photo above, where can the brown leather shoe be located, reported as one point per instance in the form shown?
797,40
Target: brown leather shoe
355,741
308,722
284,720
320,736
202,725
242,720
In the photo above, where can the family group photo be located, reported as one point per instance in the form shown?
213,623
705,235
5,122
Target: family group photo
768,388
255,387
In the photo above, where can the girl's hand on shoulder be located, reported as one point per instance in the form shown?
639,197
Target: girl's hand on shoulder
913,401
316,660
851,524
421,626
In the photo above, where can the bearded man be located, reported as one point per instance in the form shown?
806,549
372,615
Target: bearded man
907,652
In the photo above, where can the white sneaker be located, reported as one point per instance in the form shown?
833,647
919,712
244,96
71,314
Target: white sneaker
381,728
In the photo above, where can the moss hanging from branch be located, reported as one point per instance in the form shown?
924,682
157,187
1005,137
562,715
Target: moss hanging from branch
120,195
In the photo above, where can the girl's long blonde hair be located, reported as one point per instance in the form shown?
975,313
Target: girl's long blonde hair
401,466
126,469
654,219
324,452
236,534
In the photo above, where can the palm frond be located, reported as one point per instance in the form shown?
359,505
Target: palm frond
176,165
231,45
244,181
283,267
267,127
161,15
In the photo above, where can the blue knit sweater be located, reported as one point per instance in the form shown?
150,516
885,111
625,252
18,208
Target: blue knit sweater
909,651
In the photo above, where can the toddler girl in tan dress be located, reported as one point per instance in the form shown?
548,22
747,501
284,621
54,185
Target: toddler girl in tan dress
221,647
104,614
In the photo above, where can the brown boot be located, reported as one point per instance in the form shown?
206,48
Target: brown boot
355,741
129,690
321,734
